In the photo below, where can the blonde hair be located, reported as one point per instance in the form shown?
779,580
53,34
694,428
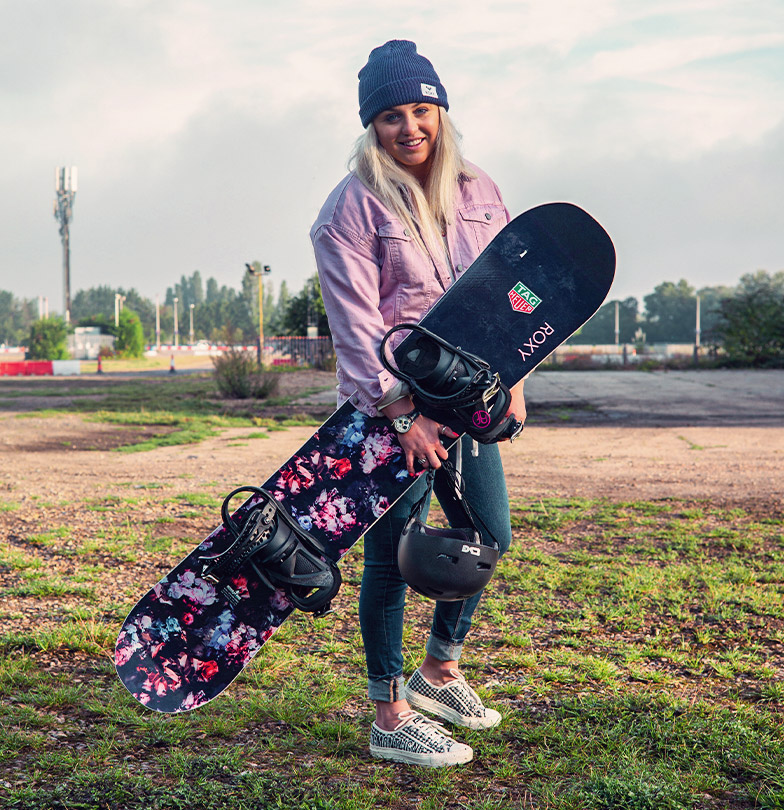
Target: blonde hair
425,212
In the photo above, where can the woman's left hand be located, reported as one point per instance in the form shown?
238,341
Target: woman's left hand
517,405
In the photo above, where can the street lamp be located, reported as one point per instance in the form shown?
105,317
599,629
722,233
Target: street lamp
118,305
191,308
256,269
176,327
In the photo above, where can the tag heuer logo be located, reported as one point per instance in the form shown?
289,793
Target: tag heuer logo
522,299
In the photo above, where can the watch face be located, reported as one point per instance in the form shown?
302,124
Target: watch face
402,424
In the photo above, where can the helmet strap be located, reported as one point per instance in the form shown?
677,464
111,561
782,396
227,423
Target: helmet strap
471,516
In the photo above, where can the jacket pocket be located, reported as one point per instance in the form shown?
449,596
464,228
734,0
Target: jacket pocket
407,275
484,220
394,231
398,258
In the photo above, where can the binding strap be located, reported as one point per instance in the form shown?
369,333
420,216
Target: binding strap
447,378
280,552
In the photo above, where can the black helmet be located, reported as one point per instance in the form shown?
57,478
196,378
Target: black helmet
444,564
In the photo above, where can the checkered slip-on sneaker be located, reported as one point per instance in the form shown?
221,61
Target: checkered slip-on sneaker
418,741
456,701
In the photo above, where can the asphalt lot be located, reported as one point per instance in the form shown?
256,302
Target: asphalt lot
751,398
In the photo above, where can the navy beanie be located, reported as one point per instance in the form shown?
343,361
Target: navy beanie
396,74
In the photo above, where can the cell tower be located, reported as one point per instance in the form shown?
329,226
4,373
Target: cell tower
65,190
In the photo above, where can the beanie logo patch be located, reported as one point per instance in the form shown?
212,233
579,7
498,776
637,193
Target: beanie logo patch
429,90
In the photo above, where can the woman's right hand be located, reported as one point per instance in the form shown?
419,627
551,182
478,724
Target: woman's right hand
422,442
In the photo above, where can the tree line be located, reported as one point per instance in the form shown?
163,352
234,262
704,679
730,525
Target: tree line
747,320
221,314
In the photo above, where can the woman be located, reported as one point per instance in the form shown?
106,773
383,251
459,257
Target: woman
390,239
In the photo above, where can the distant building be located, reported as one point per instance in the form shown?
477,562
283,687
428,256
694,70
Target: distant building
87,341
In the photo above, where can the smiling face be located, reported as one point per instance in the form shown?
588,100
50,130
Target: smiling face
408,133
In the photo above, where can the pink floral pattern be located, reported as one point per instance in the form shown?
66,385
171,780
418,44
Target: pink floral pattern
184,643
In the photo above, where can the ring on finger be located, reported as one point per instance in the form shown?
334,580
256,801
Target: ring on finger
422,461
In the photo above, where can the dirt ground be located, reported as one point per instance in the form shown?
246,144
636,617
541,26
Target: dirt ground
572,446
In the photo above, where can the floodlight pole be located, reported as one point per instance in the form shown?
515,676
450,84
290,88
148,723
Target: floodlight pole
191,308
65,191
617,326
256,269
176,325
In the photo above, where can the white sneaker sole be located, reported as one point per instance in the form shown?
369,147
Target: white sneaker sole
459,755
491,719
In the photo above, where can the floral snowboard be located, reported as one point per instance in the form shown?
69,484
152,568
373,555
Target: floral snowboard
183,643
539,280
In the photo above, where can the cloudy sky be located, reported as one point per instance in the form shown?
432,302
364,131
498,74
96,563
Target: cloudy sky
207,134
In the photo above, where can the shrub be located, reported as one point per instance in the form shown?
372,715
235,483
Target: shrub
129,334
48,340
238,376
751,323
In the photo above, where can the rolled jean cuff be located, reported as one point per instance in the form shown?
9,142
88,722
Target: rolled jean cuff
444,650
387,690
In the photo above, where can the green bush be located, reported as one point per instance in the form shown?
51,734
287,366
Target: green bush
238,376
48,340
129,335
751,323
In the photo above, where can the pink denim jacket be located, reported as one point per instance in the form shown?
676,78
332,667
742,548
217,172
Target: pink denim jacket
374,276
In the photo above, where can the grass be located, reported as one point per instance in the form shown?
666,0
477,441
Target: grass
156,412
634,650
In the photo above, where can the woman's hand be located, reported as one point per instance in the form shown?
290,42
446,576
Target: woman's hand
517,405
422,443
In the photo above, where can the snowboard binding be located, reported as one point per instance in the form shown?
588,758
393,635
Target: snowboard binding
280,552
446,378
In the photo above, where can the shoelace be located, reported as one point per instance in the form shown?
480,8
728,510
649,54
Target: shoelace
460,681
415,717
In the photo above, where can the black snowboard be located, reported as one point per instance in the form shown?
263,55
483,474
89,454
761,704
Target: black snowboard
542,277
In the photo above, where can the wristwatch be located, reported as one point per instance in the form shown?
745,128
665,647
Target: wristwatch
403,423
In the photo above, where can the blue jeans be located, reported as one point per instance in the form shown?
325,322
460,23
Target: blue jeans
383,593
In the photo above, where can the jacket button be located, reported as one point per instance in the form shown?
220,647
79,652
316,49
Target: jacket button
488,216
406,232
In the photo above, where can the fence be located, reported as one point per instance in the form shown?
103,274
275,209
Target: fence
278,351
610,354
299,351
